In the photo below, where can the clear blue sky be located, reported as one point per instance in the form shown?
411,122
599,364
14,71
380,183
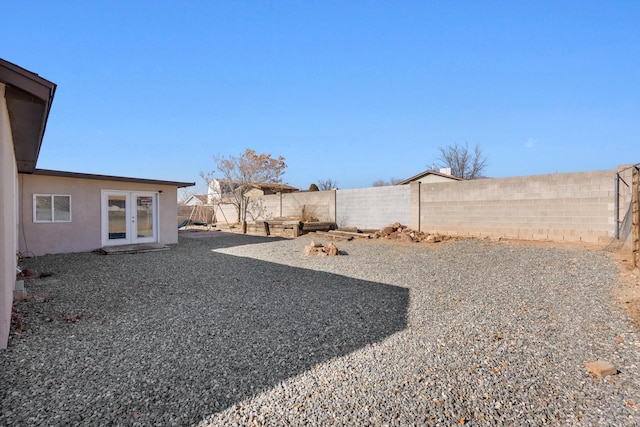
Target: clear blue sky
354,91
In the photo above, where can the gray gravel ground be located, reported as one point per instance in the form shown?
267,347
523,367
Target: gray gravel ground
242,330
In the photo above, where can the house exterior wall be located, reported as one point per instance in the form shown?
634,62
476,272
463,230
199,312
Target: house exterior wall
559,207
83,233
374,207
8,220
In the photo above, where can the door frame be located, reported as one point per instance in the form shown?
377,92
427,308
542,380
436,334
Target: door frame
130,216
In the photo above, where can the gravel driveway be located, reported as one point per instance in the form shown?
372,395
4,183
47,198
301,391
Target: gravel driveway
247,330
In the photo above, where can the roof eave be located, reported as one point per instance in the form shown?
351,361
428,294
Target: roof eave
28,98
77,175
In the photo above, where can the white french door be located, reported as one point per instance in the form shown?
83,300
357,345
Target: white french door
129,217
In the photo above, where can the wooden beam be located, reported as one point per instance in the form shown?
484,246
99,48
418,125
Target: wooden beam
635,188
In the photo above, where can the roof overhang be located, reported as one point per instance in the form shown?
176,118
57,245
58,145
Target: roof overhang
76,175
29,98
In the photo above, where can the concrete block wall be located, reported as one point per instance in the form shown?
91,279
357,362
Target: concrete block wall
226,213
264,207
559,207
320,204
373,208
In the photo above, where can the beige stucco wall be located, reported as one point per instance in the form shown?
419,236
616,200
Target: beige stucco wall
8,220
83,233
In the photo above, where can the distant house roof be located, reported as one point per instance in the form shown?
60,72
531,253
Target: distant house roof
281,188
428,173
111,178
29,98
196,199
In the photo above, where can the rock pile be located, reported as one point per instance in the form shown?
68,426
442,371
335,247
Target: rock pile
397,231
319,249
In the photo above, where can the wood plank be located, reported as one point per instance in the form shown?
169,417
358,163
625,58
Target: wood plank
333,236
349,233
315,226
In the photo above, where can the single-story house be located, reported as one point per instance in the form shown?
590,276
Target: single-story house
76,212
431,176
45,211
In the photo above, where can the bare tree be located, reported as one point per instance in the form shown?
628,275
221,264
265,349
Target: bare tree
240,174
184,194
327,184
383,183
463,164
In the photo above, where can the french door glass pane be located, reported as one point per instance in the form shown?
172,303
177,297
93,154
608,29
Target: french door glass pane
117,206
144,216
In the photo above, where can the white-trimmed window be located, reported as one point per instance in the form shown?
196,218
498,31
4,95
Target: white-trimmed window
51,208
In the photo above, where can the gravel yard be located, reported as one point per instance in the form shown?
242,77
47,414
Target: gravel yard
245,330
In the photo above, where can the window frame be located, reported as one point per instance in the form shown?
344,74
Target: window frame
53,210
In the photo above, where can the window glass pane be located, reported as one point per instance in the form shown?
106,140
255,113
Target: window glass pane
43,208
62,208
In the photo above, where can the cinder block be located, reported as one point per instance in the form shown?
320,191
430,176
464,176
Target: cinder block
19,291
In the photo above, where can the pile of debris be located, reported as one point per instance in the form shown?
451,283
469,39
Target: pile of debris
319,249
397,231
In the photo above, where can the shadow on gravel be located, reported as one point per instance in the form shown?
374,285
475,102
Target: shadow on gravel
169,338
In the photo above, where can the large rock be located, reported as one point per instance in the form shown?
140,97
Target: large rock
387,230
318,249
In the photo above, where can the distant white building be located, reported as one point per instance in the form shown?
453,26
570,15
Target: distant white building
214,192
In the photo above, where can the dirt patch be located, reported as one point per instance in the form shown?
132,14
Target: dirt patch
628,293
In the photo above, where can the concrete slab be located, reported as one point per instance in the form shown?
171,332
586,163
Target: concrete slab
133,249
